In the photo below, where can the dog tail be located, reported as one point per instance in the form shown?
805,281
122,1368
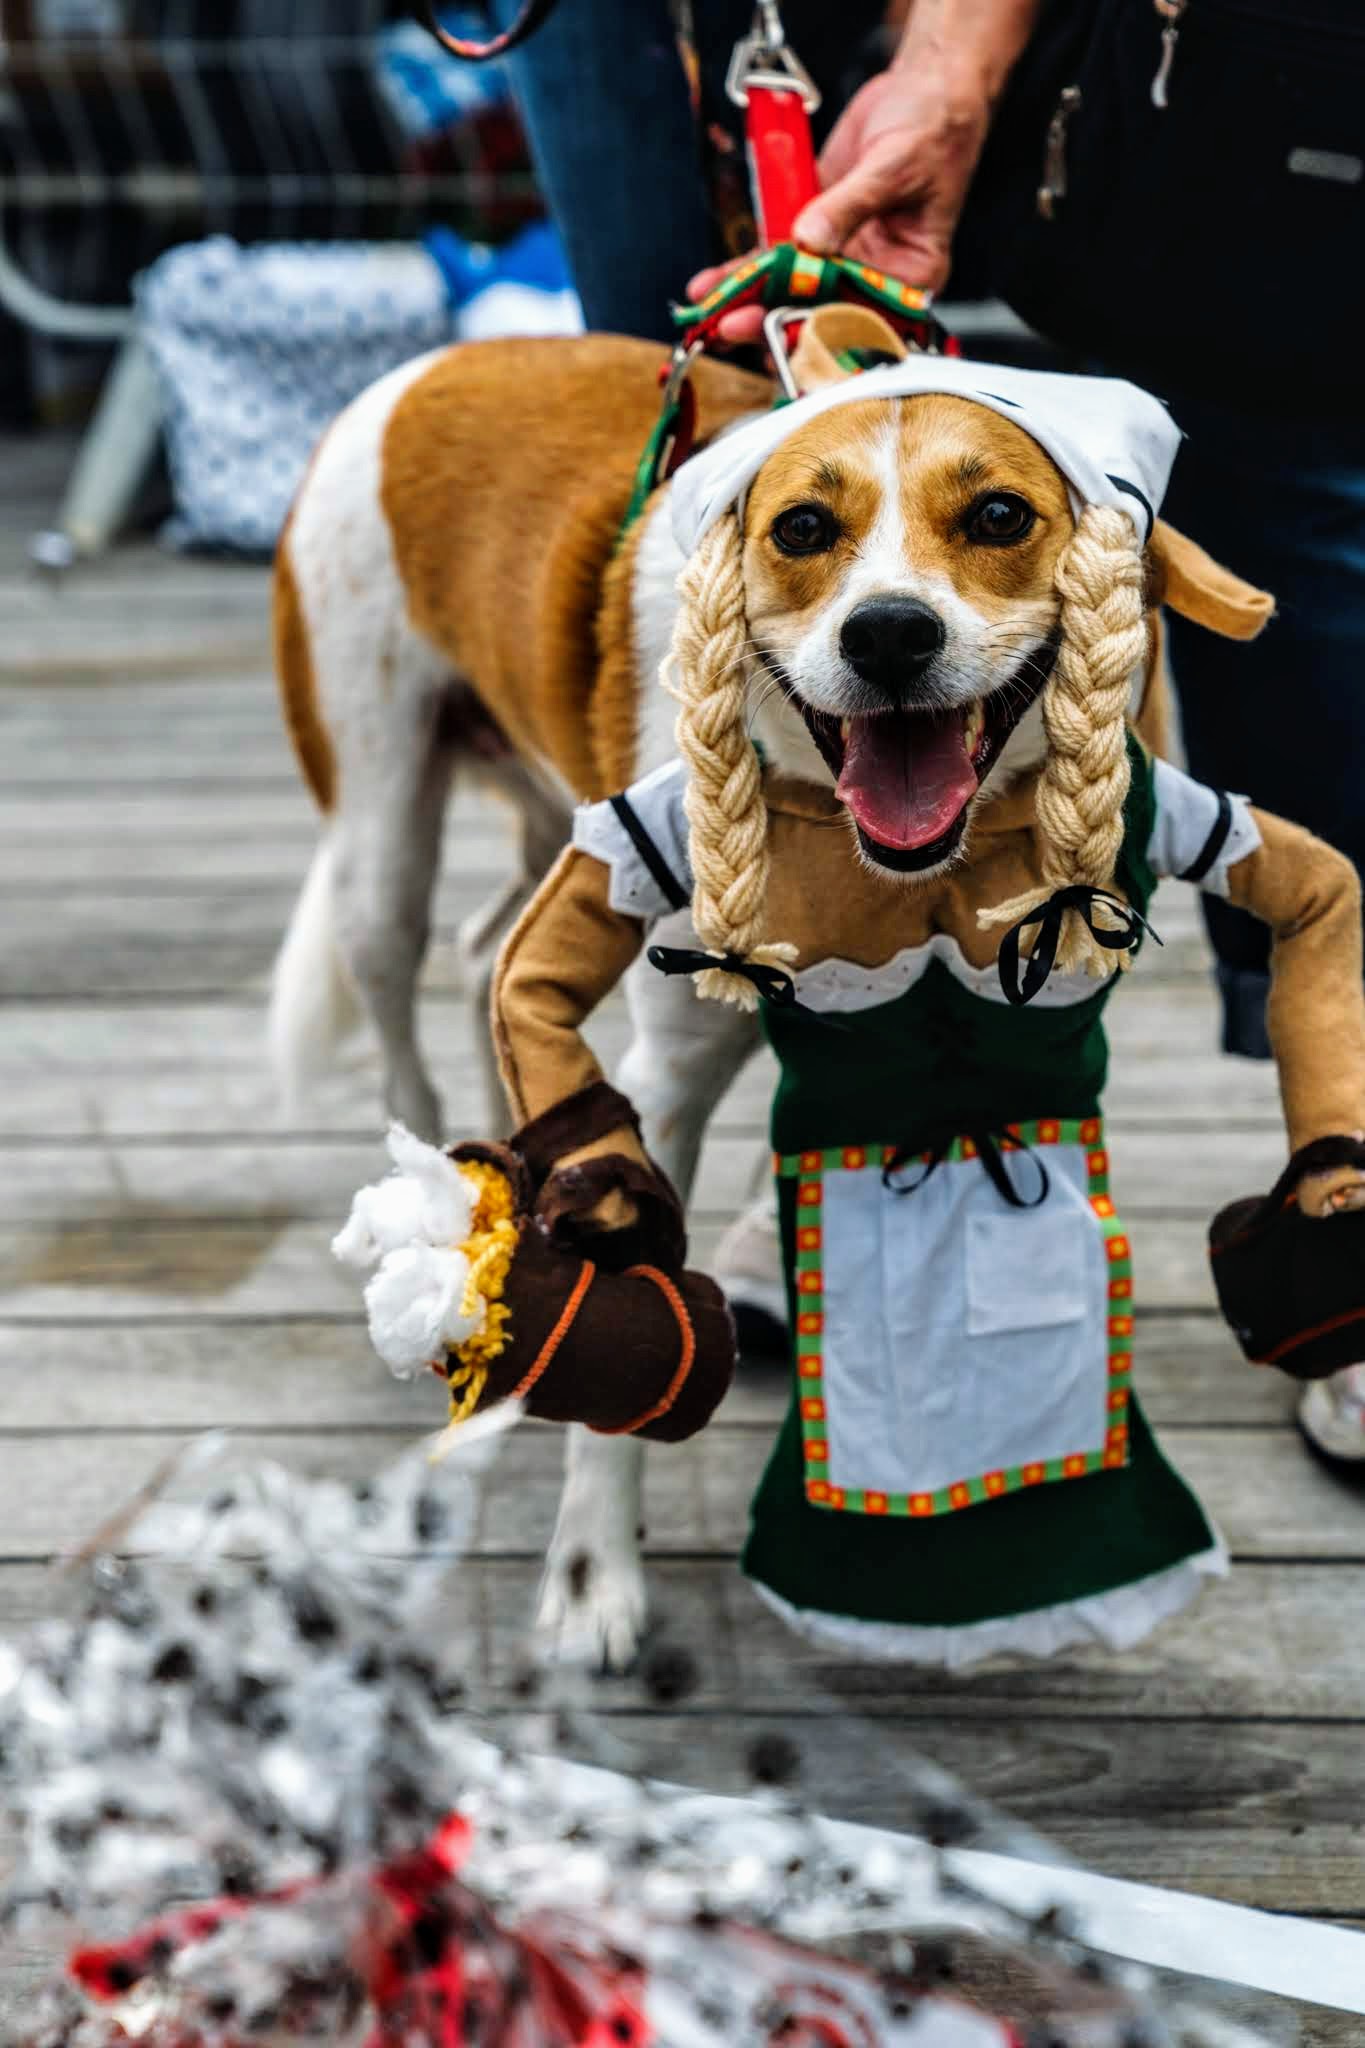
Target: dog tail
313,1001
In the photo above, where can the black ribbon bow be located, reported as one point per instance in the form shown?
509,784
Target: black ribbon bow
772,984
1082,898
989,1142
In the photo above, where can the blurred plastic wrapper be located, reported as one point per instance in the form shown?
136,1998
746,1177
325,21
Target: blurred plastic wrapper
256,1790
259,348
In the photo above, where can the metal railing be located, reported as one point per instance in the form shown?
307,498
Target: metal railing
127,126
164,128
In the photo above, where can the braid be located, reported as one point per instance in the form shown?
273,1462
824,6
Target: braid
1084,782
726,814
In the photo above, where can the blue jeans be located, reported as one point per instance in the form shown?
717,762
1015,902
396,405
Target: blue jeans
1283,720
605,104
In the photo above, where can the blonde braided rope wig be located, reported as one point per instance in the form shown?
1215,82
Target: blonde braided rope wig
1085,776
1081,789
708,672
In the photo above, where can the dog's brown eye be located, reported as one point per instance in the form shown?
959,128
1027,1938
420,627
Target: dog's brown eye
999,518
805,530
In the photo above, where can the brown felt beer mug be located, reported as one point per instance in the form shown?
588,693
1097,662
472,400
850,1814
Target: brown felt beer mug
495,1271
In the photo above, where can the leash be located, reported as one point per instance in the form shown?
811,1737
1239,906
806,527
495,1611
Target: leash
528,19
777,95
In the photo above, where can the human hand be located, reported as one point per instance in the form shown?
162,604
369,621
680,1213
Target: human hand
896,169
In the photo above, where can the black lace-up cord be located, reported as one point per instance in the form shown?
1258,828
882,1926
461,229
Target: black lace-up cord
1022,987
772,984
988,1143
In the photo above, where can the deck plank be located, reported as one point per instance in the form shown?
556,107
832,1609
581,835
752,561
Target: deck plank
164,1266
311,1178
246,1372
1268,1498
262,1265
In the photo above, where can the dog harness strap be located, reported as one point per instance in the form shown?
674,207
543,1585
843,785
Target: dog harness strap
1022,987
660,872
1213,845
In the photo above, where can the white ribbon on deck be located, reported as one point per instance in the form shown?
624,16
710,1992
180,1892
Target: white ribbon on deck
1288,1957
1306,1960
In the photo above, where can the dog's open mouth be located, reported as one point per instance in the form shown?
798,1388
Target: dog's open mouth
907,778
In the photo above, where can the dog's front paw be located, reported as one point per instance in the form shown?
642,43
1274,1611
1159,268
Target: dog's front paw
1340,1189
593,1607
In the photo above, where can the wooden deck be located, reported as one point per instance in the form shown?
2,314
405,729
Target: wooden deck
164,1266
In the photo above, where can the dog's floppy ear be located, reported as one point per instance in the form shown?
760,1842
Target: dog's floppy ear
1181,575
831,331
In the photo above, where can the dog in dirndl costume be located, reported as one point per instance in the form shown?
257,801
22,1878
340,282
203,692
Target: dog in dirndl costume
926,872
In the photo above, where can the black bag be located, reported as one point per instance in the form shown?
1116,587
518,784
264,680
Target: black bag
1291,1286
1212,246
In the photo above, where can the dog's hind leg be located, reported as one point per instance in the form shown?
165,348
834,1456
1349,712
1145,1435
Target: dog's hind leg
385,850
683,1055
369,703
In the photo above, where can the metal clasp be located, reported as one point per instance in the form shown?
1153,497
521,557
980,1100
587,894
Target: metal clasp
775,325
765,57
680,363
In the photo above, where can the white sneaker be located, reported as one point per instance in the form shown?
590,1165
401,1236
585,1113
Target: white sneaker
1332,1414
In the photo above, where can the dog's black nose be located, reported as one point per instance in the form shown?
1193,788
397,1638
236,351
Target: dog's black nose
890,641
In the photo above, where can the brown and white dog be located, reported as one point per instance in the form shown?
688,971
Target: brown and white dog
451,600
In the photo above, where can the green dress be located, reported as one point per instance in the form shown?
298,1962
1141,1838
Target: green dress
964,1467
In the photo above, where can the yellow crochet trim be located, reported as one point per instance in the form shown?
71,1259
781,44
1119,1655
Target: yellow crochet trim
489,1247
467,1383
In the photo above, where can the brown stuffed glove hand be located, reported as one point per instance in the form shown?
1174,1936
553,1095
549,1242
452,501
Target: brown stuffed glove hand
617,1211
1294,1295
613,1206
597,1191
1333,1190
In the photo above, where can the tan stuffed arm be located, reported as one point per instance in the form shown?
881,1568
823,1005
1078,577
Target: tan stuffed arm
1310,897
566,952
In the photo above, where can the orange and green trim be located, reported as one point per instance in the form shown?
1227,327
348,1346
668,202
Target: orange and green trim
781,276
808,1170
787,276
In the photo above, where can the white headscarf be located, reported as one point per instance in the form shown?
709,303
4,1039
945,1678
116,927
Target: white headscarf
1113,443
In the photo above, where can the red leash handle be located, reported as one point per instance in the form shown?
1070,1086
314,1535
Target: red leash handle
781,158
778,95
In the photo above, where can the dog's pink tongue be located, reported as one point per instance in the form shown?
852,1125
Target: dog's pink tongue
905,779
